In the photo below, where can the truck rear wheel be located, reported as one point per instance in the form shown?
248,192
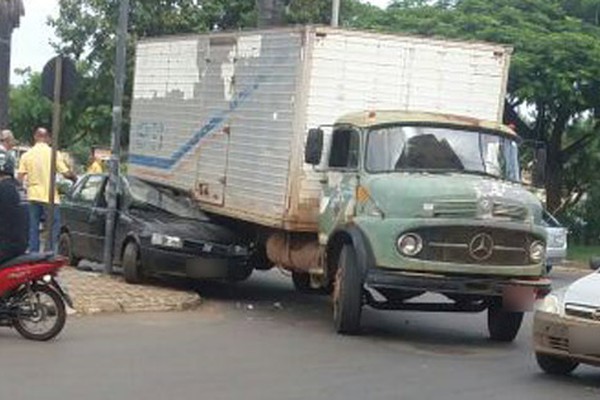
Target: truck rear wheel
347,293
503,325
555,365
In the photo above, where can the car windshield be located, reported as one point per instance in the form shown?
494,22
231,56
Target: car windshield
146,195
438,149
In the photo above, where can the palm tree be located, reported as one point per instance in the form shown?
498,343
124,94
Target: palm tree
11,12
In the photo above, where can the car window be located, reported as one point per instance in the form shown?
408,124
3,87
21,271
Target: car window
89,189
147,195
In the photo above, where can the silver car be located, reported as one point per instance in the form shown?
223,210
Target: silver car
556,247
567,327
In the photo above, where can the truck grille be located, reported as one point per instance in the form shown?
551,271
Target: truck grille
456,244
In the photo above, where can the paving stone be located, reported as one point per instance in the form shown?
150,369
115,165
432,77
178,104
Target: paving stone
93,293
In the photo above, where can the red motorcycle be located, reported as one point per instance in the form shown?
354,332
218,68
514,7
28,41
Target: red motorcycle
31,299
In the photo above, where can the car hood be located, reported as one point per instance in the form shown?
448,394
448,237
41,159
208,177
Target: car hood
186,229
585,291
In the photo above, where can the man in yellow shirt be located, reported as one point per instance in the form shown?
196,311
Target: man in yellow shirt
95,166
34,168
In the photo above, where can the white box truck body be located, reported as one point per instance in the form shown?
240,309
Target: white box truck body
226,114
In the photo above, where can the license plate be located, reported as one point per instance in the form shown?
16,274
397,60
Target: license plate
518,298
584,340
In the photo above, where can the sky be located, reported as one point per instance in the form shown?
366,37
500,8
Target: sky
31,41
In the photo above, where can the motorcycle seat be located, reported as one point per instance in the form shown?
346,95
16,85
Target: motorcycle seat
27,259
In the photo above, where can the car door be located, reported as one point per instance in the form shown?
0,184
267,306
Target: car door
97,223
80,207
340,184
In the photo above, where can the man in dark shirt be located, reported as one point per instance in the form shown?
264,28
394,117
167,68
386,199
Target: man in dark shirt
14,224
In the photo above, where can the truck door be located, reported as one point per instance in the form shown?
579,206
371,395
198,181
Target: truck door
340,184
219,80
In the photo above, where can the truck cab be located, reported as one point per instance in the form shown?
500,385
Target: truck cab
422,202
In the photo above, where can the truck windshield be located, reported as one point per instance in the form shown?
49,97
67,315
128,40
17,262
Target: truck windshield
441,149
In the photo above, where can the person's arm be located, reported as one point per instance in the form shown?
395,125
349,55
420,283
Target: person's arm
22,170
63,169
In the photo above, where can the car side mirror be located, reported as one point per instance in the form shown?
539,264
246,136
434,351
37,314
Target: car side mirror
314,147
595,263
539,168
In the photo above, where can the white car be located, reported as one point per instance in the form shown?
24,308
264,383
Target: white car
556,244
567,327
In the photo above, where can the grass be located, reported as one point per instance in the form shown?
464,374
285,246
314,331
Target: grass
582,253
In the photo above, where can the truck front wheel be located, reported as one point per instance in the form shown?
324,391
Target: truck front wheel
347,293
503,325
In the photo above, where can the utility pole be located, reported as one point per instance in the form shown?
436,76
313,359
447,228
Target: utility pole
335,13
117,118
56,109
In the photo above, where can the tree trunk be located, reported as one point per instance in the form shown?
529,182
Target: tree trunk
554,163
5,38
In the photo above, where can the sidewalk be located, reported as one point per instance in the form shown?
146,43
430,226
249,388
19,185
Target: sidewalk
93,293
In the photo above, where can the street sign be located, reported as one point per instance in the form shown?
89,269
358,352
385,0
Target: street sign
69,79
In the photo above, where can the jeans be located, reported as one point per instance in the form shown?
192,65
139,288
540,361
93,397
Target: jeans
36,211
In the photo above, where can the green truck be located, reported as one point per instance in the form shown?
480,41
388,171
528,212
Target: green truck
373,167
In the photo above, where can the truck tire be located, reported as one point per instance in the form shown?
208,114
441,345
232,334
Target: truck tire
503,325
347,293
555,365
132,264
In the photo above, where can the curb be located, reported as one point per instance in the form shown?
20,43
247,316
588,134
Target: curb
95,293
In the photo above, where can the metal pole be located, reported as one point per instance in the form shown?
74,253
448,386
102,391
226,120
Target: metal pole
335,13
117,114
55,132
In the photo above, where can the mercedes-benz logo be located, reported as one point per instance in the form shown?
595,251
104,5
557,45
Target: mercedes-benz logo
481,247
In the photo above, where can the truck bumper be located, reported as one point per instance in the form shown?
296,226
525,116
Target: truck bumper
385,280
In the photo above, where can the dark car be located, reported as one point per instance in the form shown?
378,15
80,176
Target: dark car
159,232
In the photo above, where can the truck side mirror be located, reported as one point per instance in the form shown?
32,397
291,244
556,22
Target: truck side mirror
539,168
314,147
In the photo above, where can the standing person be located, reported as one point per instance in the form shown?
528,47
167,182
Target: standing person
34,167
95,166
13,214
7,140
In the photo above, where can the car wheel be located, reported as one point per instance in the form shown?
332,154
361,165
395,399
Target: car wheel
131,262
555,365
65,249
503,325
347,293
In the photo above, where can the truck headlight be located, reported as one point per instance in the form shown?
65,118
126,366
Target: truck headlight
410,244
537,252
159,239
550,304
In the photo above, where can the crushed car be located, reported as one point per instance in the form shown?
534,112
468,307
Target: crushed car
159,231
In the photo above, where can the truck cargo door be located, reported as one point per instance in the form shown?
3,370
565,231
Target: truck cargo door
212,154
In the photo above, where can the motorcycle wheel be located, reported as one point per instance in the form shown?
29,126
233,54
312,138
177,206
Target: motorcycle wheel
41,313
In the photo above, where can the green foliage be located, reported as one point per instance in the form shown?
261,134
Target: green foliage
28,109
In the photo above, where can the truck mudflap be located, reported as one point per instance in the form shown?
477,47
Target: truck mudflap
516,294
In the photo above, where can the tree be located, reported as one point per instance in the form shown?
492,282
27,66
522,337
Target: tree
555,71
11,12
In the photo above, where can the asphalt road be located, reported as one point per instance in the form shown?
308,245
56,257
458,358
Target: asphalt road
260,340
